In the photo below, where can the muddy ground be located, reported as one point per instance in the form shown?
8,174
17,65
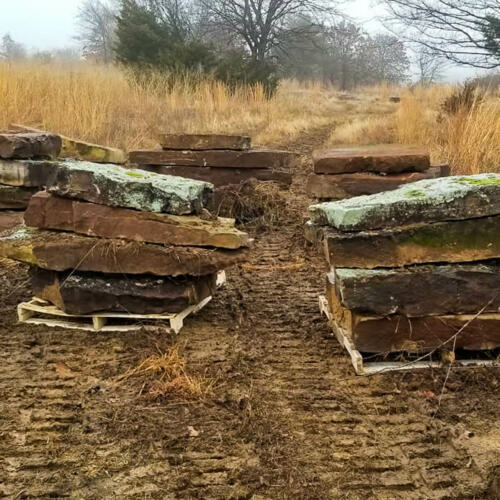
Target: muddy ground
287,418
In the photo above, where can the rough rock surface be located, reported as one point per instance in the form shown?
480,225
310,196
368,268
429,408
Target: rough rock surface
29,145
201,142
26,173
255,158
400,333
85,293
68,251
338,187
10,219
431,200
15,198
115,186
379,159
452,241
223,176
421,290
47,211
81,150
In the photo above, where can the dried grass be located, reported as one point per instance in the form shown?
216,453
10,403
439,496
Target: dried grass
164,375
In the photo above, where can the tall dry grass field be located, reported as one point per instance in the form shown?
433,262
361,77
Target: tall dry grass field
104,104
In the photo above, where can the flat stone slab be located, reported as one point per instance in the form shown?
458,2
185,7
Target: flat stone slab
421,290
25,173
81,150
86,293
395,333
254,158
452,241
431,200
10,219
47,211
341,186
201,142
385,158
29,145
115,186
59,251
223,176
15,198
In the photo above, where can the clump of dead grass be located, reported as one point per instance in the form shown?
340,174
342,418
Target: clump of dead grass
165,375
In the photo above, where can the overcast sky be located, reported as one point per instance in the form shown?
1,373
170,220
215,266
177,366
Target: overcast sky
48,24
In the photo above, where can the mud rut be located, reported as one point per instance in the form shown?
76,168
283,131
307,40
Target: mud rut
288,418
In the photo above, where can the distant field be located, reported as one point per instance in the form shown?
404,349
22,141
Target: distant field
102,104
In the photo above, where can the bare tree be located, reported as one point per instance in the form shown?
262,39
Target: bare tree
429,65
97,23
463,31
264,25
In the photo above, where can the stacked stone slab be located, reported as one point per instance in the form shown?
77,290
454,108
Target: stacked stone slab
104,238
344,173
219,159
18,180
416,267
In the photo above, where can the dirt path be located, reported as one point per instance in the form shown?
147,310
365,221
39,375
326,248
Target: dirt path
288,419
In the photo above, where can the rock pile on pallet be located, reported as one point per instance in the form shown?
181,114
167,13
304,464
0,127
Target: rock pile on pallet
219,159
344,173
105,238
418,268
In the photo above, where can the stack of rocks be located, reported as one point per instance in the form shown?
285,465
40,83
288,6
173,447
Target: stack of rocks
219,159
105,238
416,269
18,181
357,171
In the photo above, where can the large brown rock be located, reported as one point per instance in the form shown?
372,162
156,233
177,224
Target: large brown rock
430,200
222,176
201,142
15,198
59,251
115,186
400,333
386,158
421,290
29,145
452,241
25,173
46,211
85,293
338,187
255,158
81,150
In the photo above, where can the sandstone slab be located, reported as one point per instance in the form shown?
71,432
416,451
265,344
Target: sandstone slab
81,150
431,200
10,219
338,187
201,142
47,211
223,176
29,145
395,333
452,241
15,198
85,293
59,251
26,173
115,186
421,290
254,158
385,158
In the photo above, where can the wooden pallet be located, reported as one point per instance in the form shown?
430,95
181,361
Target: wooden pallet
40,312
362,367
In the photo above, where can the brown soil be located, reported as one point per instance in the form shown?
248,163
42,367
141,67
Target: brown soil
288,419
